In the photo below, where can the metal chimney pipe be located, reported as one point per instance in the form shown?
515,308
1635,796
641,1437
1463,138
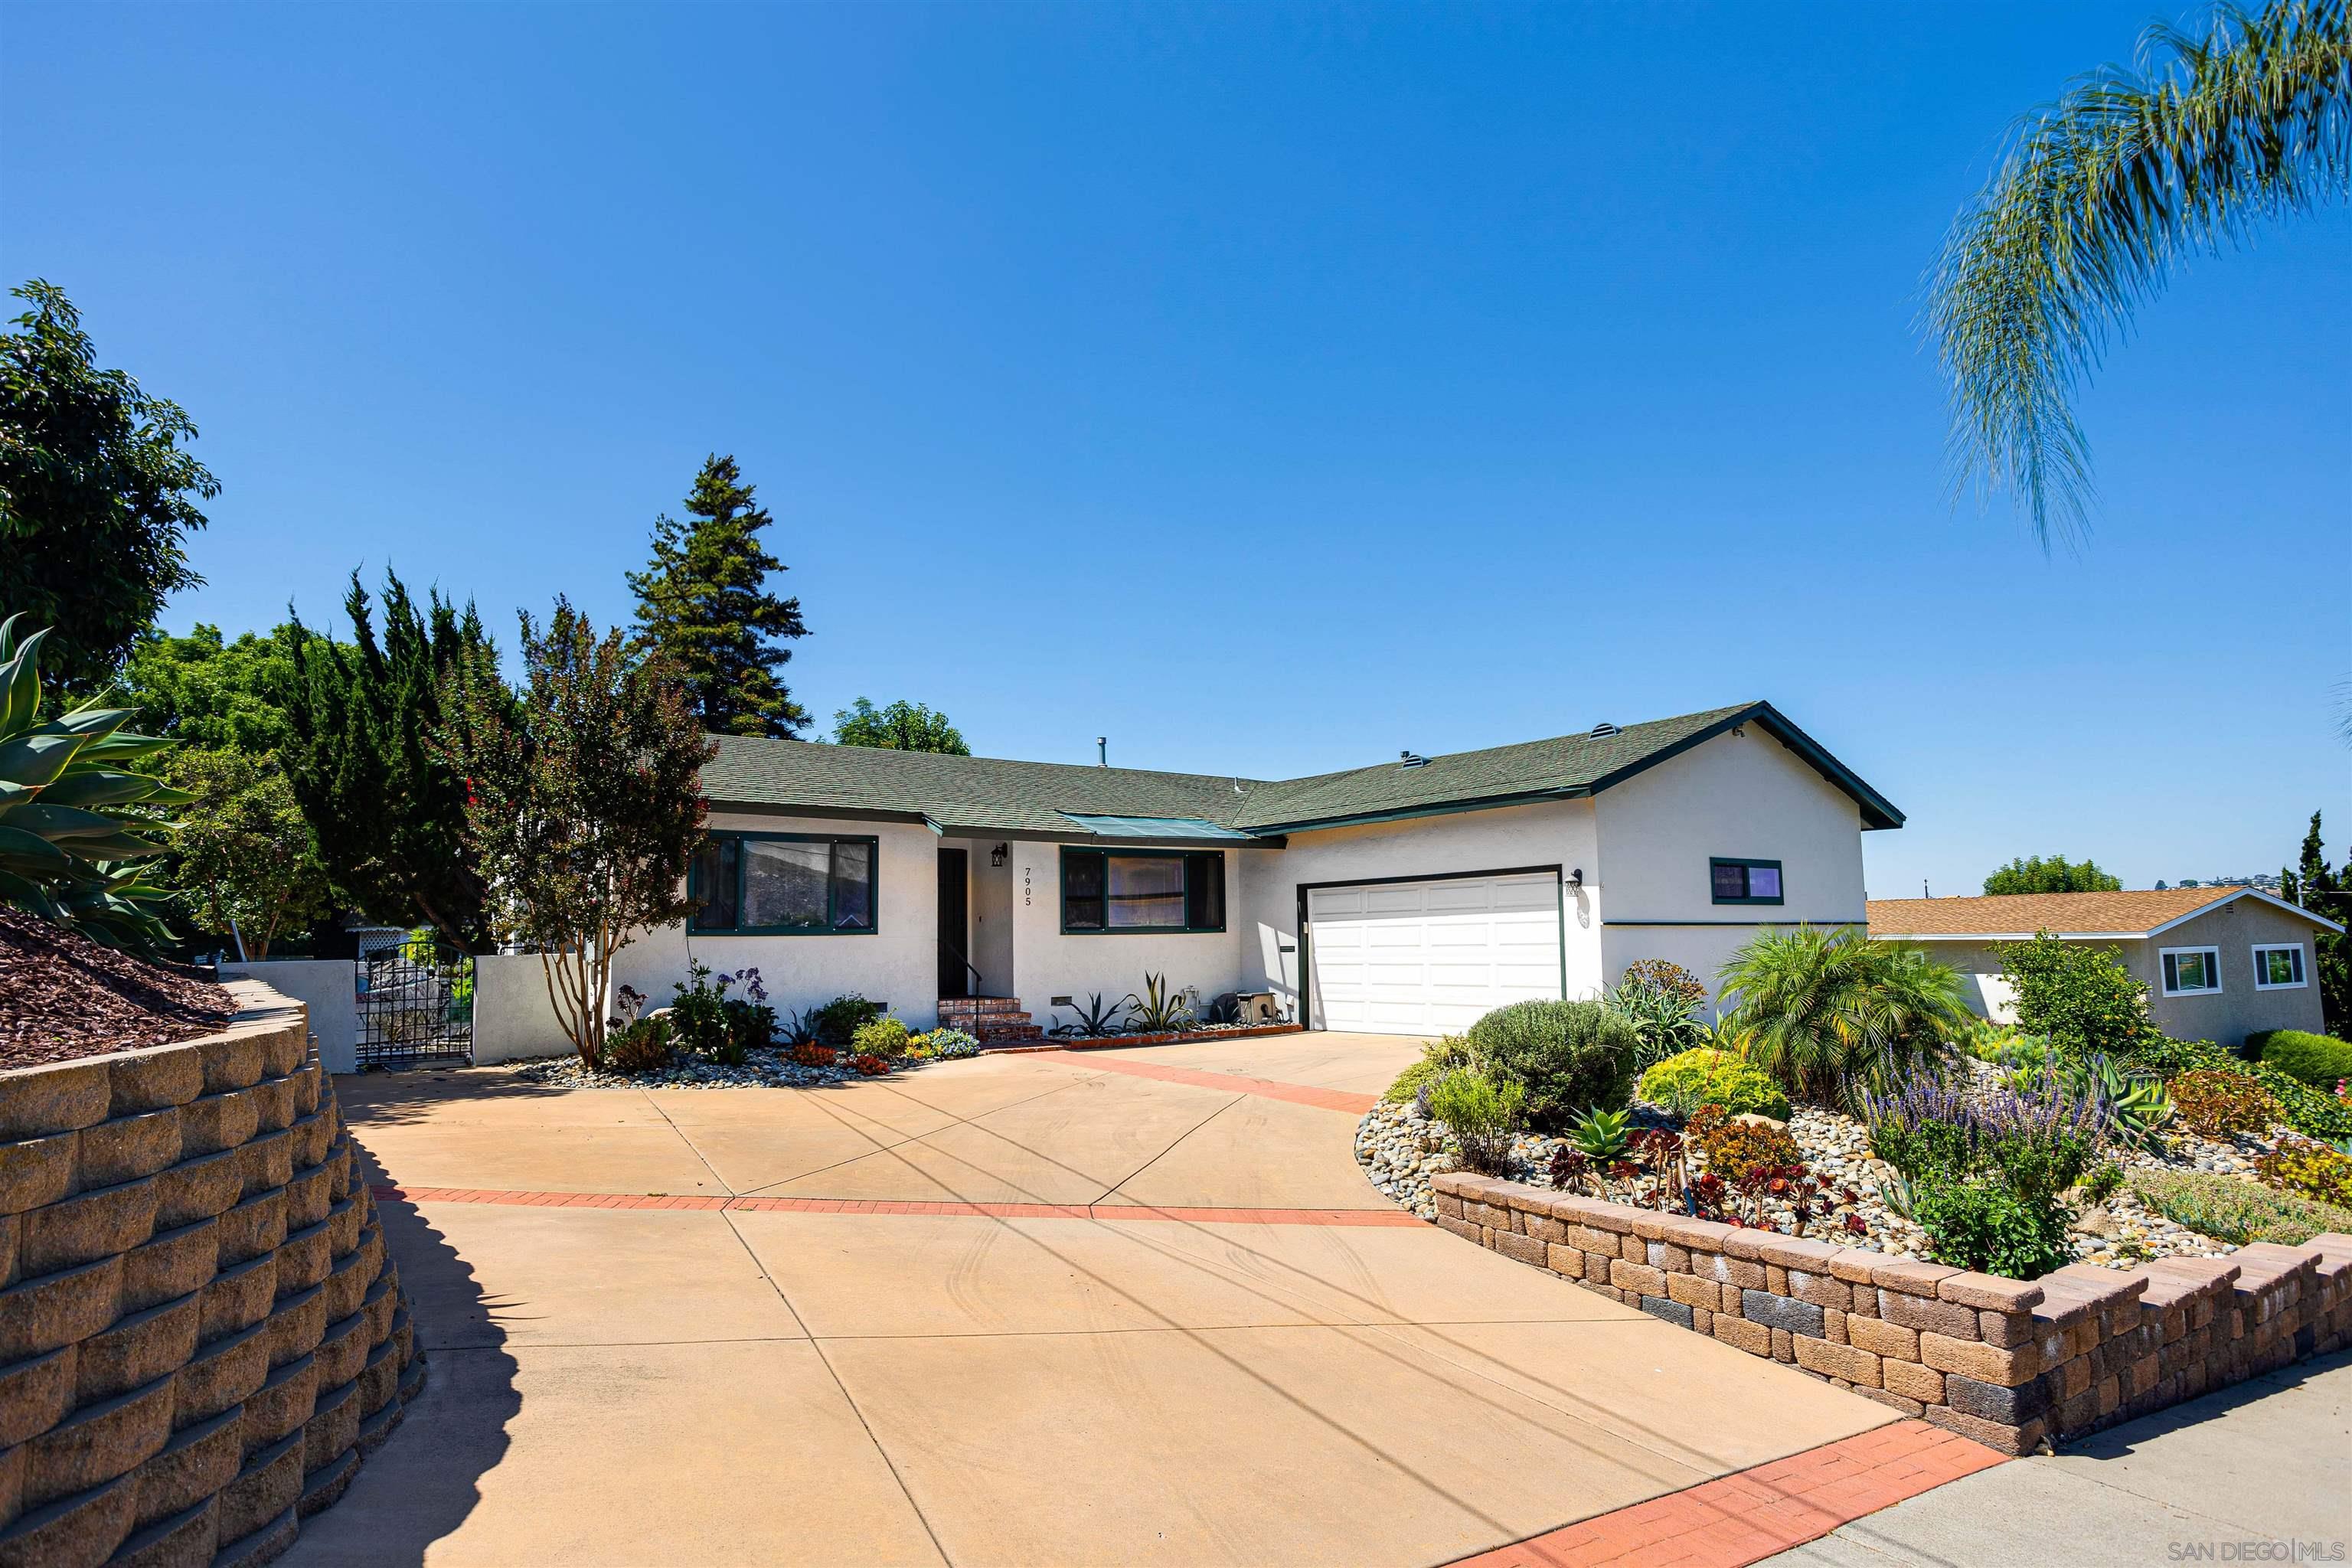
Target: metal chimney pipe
1102,751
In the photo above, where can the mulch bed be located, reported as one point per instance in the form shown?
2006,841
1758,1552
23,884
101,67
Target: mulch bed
63,996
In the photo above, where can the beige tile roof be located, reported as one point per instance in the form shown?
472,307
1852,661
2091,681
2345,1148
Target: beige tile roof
2140,913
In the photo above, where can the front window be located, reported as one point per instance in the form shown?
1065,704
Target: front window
784,884
1143,890
2191,971
2278,968
1745,881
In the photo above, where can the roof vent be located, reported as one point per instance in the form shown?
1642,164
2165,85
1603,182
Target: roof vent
1603,729
1408,760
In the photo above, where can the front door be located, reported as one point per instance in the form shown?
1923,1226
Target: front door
955,910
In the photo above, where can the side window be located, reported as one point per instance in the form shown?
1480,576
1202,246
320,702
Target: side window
1742,881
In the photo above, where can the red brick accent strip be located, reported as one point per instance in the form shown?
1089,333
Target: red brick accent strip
1377,1218
1127,1042
1231,1083
1752,1514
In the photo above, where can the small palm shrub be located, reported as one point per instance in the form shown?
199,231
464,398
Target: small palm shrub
2219,1103
1437,1059
1832,1014
2322,1061
883,1037
1705,1077
2229,1209
1483,1116
2309,1170
644,1046
1565,1058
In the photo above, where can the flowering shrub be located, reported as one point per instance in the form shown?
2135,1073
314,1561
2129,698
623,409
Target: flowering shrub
2217,1103
872,1066
1684,1083
2314,1170
947,1045
809,1054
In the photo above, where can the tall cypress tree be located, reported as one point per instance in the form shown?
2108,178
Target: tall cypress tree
2324,892
703,602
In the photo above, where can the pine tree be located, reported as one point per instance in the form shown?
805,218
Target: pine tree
2329,894
703,603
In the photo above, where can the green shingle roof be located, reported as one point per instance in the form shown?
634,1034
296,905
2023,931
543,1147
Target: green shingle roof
997,796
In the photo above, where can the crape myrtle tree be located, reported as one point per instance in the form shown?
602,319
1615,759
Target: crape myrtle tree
703,602
2051,874
365,759
96,493
903,726
584,803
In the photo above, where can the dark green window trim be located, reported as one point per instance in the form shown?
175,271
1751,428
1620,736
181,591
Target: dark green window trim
1204,891
694,888
1716,864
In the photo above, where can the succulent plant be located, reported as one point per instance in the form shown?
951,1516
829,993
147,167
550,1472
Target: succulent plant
70,808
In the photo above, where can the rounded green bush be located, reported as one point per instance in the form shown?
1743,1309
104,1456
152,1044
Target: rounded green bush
1705,1076
2320,1060
886,1037
1569,1057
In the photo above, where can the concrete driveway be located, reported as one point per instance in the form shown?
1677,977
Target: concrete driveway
1037,1309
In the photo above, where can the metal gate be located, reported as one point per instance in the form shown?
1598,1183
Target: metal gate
415,1003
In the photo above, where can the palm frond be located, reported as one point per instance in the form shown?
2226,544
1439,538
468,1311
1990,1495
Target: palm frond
2100,197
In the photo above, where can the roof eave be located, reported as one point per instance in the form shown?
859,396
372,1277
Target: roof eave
1435,809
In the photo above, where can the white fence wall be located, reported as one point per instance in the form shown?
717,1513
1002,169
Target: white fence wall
324,985
513,1018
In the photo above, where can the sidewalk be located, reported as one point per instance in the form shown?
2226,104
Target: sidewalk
2234,1477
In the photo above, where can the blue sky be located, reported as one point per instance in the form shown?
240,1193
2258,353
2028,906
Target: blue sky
1269,388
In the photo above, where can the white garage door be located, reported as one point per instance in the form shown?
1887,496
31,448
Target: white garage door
1429,958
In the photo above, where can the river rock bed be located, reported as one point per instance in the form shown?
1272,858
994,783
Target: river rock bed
762,1069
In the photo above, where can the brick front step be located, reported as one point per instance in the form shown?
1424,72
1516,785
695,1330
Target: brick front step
990,1030
969,1005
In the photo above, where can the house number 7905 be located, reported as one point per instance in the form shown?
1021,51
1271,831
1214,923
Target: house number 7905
1026,899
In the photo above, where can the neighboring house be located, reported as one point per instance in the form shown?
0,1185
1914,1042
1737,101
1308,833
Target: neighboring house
1407,897
2219,963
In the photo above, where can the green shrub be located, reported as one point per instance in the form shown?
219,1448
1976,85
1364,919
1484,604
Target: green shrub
2217,1103
2231,1209
1704,1077
883,1037
1437,1059
1482,1114
949,1045
643,1046
1660,1000
2309,1170
1985,1226
2101,1184
2310,1111
2081,997
836,1023
1565,1057
2322,1061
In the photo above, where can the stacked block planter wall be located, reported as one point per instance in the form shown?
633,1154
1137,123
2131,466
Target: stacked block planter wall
200,1332
2009,1363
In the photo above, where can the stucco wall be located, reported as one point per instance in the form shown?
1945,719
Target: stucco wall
325,987
899,964
2228,1017
1743,795
513,1018
1507,839
201,1334
1047,964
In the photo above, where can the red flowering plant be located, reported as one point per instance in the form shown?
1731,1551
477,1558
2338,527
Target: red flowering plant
871,1066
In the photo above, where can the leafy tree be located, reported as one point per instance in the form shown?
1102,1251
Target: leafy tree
903,726
71,811
2081,997
243,857
1831,1012
94,492
384,797
703,603
2329,893
2101,196
2054,875
585,807
207,691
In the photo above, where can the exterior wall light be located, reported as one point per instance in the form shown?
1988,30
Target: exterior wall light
996,856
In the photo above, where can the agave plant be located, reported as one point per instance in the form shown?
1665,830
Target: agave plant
2138,1105
66,842
1600,1134
1158,1011
1097,1017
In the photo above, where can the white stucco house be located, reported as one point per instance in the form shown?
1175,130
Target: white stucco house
1406,898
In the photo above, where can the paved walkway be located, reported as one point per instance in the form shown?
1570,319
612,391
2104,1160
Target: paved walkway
1042,1309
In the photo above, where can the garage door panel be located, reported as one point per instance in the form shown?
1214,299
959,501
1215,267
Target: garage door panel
1433,957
